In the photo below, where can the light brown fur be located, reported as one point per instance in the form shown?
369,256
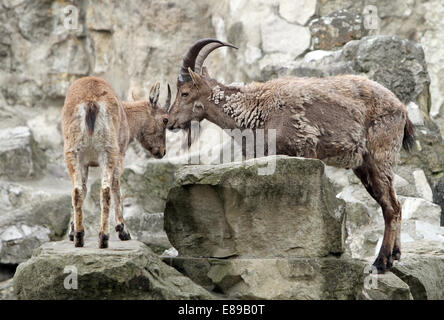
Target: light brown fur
97,129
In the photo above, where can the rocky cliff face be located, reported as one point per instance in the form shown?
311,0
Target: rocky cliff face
136,44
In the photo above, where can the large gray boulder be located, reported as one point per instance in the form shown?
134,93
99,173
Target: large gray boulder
230,209
127,270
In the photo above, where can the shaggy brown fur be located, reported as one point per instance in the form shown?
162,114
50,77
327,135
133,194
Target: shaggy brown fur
97,129
346,121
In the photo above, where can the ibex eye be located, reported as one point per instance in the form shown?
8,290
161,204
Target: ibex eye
184,94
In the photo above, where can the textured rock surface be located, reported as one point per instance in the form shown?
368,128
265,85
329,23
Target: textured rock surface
417,276
365,224
293,278
225,210
127,270
421,268
29,218
307,279
278,35
297,11
386,287
336,29
17,154
7,290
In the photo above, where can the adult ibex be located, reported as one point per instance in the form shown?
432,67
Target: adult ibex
346,121
97,129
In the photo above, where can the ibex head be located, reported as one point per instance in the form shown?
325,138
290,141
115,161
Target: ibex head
152,136
194,84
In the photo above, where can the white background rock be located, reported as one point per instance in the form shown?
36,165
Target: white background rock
422,186
281,36
415,114
297,11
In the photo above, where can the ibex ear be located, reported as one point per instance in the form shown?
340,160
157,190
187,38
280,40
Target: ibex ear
205,72
197,79
154,94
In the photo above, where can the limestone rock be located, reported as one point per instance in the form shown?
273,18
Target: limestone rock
297,11
336,29
45,128
7,290
421,268
381,58
292,278
17,154
365,223
385,287
230,209
415,277
147,228
305,279
149,185
127,270
281,36
29,218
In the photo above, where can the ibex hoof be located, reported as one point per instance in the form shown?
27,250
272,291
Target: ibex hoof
396,254
103,240
78,238
383,263
123,234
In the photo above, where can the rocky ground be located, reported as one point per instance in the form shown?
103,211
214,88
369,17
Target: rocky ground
39,58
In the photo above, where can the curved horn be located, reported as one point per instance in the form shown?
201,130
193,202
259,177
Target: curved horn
168,100
189,59
203,54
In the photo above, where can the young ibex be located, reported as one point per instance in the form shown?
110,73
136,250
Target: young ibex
346,121
97,129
